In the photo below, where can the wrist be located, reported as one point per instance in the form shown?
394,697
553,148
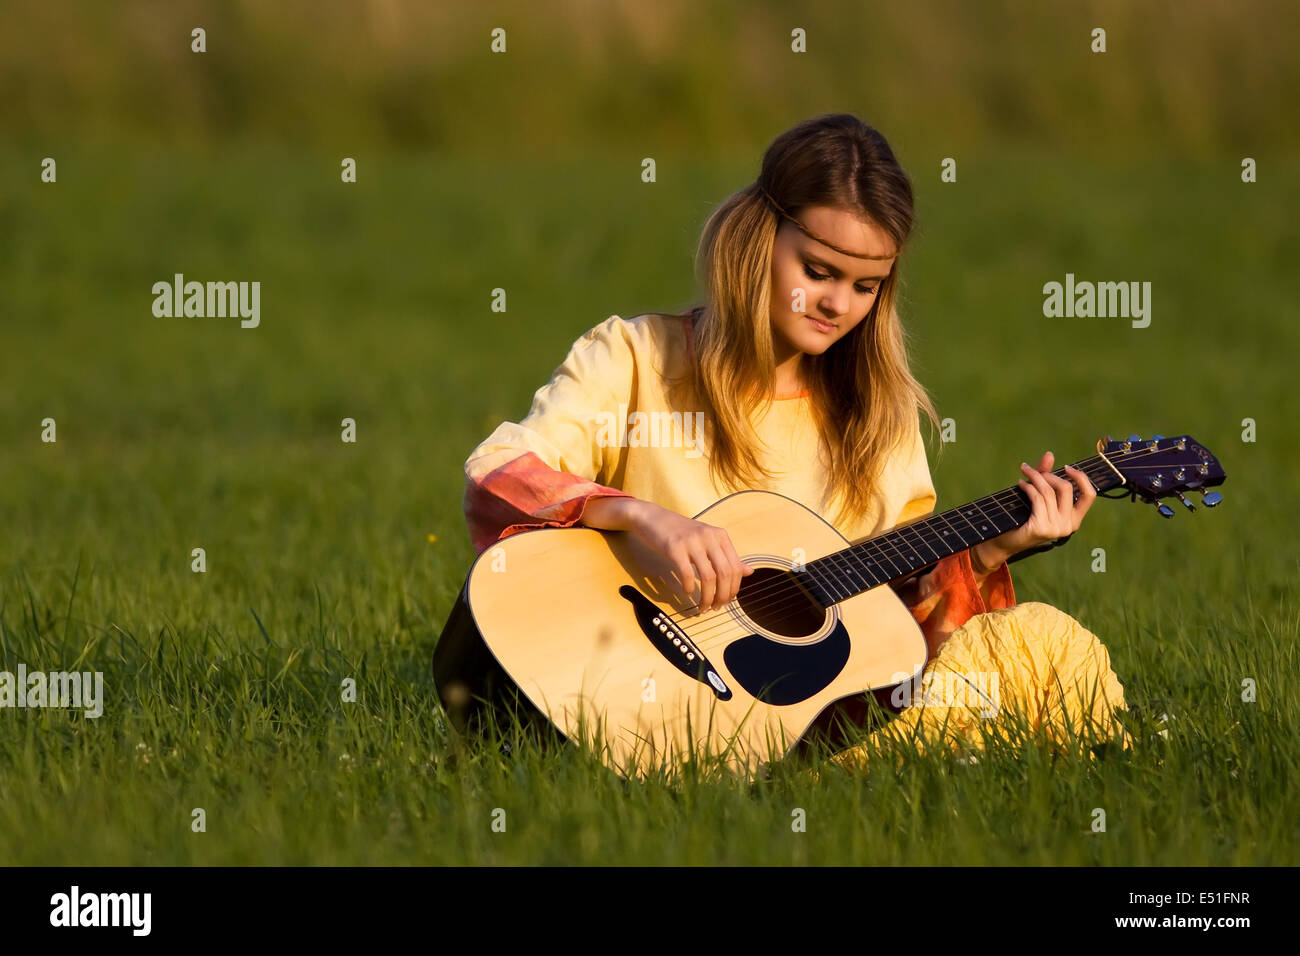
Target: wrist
611,512
982,562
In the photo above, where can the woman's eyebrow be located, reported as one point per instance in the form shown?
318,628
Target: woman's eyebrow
836,272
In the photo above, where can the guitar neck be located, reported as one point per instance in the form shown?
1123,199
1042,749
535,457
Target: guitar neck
917,544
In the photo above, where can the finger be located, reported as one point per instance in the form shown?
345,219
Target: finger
1064,491
729,550
737,566
1087,493
1081,478
728,575
708,577
1036,502
681,558
1042,514
1045,489
1060,491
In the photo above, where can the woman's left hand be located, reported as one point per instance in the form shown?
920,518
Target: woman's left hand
1055,513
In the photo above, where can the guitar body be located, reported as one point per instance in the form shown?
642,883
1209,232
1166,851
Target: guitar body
591,629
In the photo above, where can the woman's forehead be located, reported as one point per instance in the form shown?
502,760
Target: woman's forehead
840,239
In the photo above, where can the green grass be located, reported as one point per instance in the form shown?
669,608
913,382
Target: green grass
182,433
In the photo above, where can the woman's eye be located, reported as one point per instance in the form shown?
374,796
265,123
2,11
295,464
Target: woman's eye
807,270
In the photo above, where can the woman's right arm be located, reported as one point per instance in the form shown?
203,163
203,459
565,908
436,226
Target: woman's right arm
705,560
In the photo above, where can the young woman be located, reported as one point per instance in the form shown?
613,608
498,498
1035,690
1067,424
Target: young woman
796,367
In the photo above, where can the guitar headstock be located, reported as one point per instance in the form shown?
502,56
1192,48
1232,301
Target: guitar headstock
1162,467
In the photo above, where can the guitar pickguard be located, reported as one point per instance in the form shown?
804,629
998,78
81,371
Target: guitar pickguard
785,674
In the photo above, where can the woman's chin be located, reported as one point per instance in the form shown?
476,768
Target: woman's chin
809,341
815,344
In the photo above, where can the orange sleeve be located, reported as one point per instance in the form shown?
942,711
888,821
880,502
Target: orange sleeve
523,494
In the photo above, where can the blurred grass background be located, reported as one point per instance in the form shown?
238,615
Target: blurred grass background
609,76
522,171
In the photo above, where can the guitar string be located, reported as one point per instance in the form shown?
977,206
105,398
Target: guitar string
785,595
724,619
792,593
853,570
887,552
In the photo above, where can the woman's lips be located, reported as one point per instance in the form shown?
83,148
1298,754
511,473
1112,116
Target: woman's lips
821,325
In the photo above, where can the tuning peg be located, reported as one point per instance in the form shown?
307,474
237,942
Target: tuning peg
1134,439
1209,498
1157,437
1164,509
1190,506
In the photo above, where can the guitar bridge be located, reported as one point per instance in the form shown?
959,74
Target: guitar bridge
673,643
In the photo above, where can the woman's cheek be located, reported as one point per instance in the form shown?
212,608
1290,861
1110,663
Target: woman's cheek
797,290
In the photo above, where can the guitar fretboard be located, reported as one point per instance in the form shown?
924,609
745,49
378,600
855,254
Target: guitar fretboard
917,544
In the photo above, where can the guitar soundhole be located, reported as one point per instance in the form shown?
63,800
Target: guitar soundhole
773,600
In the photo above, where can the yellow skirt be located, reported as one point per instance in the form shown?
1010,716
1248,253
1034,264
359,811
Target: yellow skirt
1029,671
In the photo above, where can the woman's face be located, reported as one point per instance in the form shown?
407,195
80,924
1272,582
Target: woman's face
837,290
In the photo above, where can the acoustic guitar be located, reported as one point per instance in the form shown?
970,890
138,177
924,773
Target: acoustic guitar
590,630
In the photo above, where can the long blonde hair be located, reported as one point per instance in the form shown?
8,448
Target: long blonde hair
864,398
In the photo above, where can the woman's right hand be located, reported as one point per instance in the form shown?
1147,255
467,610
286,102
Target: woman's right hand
701,553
